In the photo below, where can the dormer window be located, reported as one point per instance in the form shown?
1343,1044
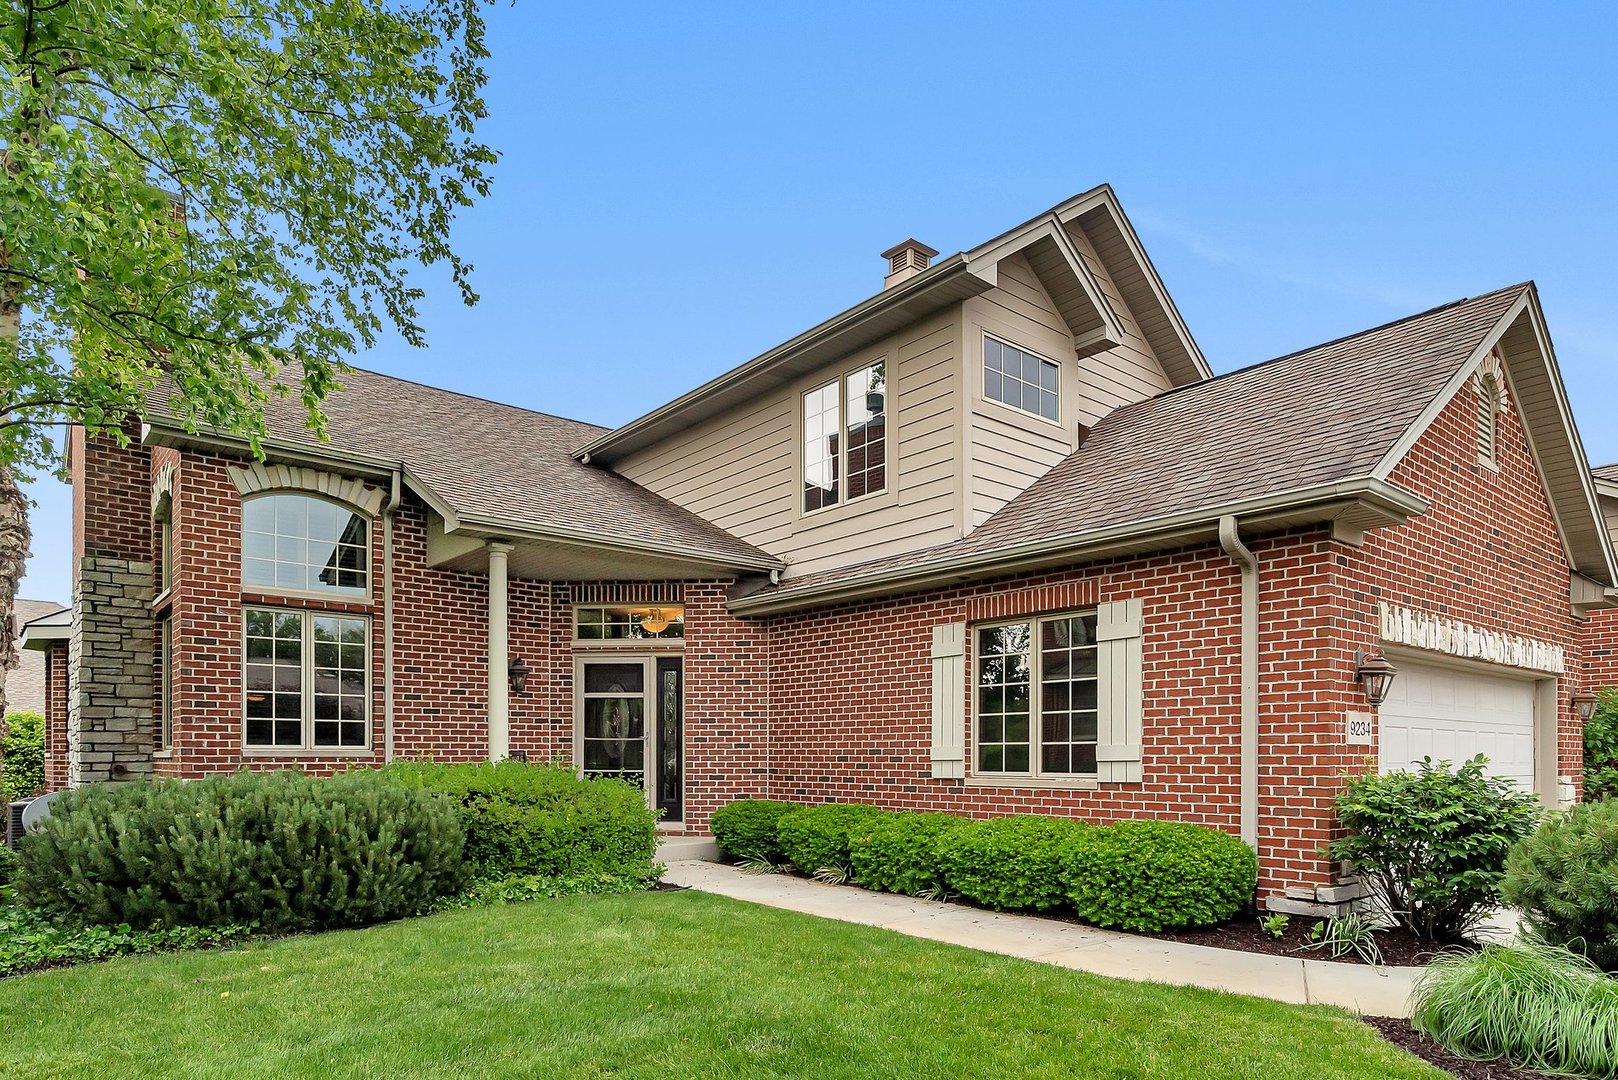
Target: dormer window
1016,377
845,440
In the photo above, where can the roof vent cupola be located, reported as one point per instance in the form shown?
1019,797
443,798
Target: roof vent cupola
905,261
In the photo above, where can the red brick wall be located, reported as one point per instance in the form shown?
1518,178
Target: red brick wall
56,716
1487,553
1601,649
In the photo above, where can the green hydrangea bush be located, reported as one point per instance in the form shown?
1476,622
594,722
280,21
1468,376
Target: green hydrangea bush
816,838
525,820
1430,845
747,828
1564,878
900,855
280,851
1151,876
1009,863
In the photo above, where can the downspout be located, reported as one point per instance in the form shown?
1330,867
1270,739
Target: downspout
395,497
1230,539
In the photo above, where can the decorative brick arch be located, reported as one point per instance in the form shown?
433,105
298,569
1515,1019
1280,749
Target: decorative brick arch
259,478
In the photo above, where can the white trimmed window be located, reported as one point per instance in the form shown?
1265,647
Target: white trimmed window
638,622
307,683
1035,689
304,544
845,443
1016,377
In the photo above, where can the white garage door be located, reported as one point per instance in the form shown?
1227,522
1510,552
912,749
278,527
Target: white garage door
1453,715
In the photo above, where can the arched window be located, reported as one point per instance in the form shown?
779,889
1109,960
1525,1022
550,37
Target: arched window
301,543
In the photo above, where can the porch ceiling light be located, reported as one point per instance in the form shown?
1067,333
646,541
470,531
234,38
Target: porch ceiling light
517,673
1373,671
1584,704
654,622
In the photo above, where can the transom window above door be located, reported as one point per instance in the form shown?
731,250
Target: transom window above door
629,622
845,438
300,543
1018,378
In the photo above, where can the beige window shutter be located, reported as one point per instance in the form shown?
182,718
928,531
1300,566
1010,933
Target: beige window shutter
1120,692
949,701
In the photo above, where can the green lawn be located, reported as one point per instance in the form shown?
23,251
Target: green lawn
649,985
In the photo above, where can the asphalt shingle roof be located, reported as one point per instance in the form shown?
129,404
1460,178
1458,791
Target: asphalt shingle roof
1321,416
25,683
491,461
1607,472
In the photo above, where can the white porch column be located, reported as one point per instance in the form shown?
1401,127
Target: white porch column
499,655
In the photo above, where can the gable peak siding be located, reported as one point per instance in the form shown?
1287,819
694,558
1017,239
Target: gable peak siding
740,470
1008,449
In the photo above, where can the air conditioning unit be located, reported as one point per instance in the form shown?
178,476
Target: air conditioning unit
14,821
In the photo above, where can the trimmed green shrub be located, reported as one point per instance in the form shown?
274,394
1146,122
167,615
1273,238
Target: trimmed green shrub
1150,876
1008,863
1431,845
1601,748
1565,879
901,854
280,850
817,838
1536,1005
541,820
9,864
22,756
746,828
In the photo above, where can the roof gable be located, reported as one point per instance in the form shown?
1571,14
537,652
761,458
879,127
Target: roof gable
1535,384
1044,238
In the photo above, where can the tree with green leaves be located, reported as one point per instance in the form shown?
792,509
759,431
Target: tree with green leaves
221,197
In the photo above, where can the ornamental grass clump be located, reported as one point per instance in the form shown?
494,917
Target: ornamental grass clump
1430,846
1564,878
279,851
1538,1006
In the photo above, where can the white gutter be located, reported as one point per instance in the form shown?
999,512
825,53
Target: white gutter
395,497
1230,538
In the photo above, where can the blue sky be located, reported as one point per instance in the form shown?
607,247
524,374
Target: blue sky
680,190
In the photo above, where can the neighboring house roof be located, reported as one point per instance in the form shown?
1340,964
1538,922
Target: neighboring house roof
25,683
490,466
956,278
1315,428
1606,475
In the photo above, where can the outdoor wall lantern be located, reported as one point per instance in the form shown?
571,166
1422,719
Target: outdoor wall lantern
1373,672
1584,703
517,672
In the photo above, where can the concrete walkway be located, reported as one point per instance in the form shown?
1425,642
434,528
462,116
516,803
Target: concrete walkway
1372,991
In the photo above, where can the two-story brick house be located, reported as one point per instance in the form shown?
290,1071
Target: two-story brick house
994,539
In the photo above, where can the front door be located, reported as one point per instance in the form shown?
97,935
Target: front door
630,725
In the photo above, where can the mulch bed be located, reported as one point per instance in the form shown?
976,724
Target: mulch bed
1399,948
1401,1034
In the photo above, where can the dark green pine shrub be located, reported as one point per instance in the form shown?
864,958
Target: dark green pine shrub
1150,876
901,854
22,756
1009,863
746,828
279,850
1564,878
817,838
542,820
1430,845
1601,749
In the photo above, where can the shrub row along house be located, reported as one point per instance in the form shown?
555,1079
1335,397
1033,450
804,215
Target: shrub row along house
995,539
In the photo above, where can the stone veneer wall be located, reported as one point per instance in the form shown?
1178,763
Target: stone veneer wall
109,724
